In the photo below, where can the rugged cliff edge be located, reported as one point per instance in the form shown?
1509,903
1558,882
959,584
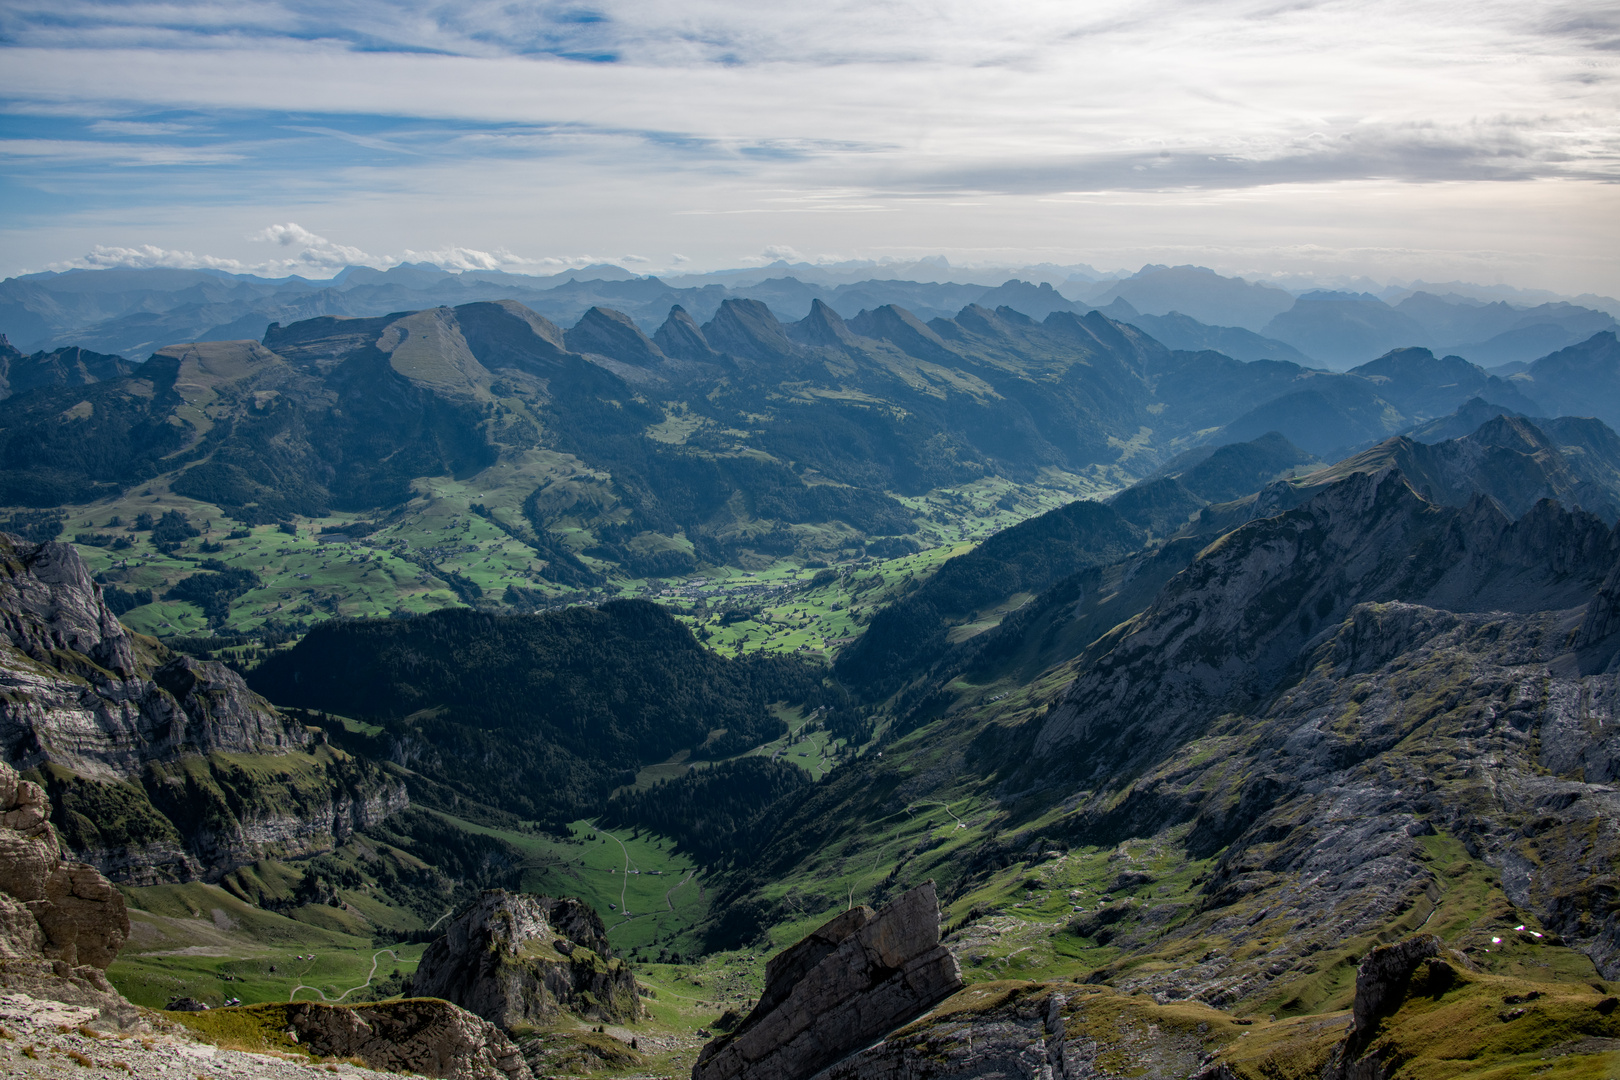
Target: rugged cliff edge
114,726
856,978
517,959
61,923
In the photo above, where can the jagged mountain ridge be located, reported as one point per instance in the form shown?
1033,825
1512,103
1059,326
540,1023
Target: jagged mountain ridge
747,441
66,366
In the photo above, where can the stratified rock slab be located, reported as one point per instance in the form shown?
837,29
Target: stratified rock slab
852,981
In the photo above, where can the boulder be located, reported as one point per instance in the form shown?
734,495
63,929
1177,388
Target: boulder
858,977
520,959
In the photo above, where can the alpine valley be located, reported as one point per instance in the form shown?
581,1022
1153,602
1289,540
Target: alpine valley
786,675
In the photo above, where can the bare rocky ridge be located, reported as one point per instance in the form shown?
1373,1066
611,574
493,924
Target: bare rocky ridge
82,696
1044,1032
89,701
856,978
518,959
1322,691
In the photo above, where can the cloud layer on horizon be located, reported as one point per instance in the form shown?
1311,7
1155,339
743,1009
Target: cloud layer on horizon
787,124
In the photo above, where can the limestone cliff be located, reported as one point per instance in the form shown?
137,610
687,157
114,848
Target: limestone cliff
853,980
132,741
518,959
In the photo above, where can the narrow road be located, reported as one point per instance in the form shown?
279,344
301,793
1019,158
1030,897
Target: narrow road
626,881
293,993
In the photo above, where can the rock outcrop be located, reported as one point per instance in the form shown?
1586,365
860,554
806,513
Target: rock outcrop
1044,1031
61,923
858,977
425,1037
83,696
90,704
519,959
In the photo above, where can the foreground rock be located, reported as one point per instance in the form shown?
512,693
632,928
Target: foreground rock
50,1039
855,979
1042,1031
422,1036
517,959
61,923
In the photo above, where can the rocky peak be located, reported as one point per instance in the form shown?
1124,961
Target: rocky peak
50,605
517,958
613,334
858,977
748,329
903,330
823,326
680,337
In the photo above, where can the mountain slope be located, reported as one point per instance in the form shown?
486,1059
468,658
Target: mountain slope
538,715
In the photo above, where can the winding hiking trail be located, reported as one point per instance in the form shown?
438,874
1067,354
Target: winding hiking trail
293,993
671,890
960,824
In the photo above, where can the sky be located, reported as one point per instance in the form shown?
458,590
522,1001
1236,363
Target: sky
1471,141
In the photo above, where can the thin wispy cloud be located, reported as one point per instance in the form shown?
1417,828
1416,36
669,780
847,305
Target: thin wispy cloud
710,110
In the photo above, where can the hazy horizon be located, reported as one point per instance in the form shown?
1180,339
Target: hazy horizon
1314,141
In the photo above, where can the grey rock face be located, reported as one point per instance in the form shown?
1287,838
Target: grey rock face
78,691
516,958
79,697
858,977
1223,631
426,1038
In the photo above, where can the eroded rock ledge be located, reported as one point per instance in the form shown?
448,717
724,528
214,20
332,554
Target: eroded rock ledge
854,980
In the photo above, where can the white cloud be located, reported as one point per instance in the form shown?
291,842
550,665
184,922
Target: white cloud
311,255
723,126
148,256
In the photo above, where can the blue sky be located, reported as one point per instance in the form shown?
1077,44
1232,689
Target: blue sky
1396,140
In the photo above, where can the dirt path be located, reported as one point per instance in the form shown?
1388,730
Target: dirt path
293,993
625,882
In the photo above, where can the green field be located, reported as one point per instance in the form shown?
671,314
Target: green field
434,552
199,941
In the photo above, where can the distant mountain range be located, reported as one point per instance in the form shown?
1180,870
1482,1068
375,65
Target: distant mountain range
725,437
133,313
